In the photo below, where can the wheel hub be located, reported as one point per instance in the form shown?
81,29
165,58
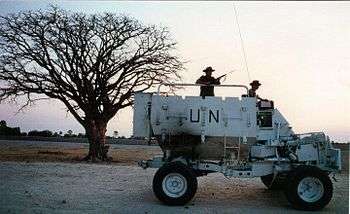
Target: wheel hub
174,185
310,189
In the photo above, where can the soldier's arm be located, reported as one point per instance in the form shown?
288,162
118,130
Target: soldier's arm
261,99
217,81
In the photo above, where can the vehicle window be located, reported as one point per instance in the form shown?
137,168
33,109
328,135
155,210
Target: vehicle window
264,119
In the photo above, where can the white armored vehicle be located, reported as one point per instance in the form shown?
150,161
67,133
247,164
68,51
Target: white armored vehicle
235,136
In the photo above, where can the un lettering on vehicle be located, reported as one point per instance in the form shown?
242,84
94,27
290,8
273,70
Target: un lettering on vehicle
213,116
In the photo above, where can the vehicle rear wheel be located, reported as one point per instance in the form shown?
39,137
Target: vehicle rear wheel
309,188
175,184
277,184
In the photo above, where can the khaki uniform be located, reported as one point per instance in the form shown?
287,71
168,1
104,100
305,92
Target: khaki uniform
251,93
207,90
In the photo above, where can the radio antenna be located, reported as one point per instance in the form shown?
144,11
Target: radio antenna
242,43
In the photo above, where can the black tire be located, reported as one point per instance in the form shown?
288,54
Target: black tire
318,180
278,184
176,169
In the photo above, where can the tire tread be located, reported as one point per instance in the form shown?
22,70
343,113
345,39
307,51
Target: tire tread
177,167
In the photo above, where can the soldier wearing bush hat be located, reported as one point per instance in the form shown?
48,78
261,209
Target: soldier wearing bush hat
207,79
252,92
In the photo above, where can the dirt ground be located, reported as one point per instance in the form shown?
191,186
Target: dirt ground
43,177
95,188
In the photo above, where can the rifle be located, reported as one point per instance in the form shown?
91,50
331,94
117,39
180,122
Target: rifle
225,74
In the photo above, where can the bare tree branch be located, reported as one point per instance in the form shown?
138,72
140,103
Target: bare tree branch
91,63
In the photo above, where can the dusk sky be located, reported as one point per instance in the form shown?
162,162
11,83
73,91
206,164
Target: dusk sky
299,51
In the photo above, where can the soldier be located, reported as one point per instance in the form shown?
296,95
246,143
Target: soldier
207,79
252,92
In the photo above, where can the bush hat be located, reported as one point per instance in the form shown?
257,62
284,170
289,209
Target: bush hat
255,82
208,69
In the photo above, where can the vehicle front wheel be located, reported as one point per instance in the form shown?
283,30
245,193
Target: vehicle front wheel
175,184
309,188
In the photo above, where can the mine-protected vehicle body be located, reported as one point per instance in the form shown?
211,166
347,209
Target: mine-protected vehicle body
238,137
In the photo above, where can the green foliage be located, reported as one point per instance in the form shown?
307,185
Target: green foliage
8,131
45,133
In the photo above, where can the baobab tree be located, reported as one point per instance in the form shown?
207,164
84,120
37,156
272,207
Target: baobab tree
92,63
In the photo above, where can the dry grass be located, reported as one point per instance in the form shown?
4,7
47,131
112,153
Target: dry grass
120,156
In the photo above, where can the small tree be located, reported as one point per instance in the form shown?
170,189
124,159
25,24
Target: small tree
3,123
116,134
9,131
93,64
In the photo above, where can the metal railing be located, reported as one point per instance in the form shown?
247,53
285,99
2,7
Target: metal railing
189,84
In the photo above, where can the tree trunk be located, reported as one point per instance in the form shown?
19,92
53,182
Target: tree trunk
96,134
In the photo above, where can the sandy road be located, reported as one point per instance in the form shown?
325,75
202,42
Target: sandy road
95,188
